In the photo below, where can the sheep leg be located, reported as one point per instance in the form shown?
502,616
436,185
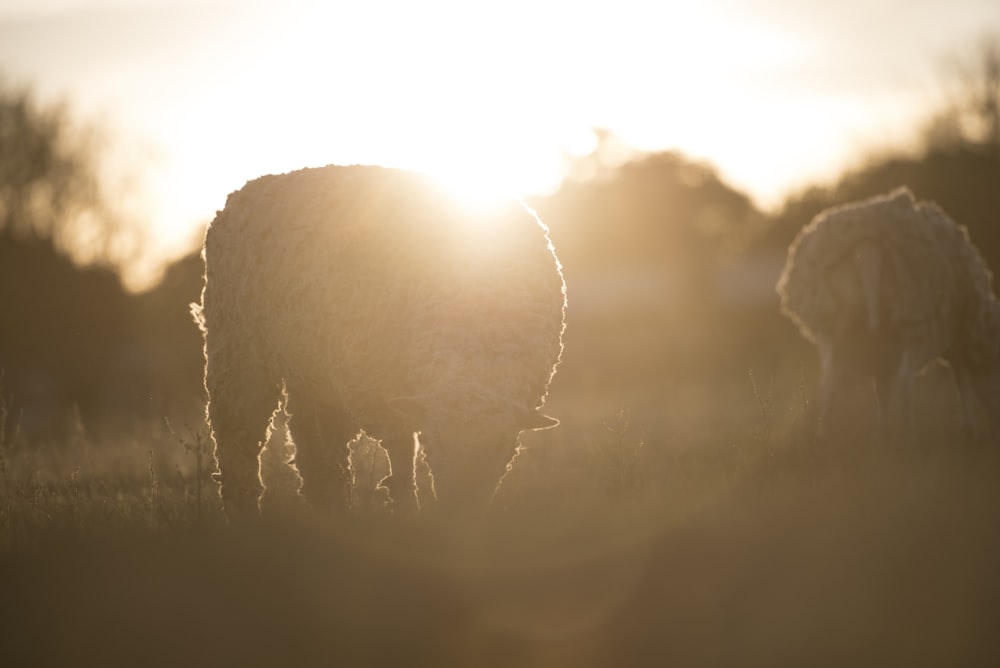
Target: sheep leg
829,377
868,257
401,481
241,406
969,425
900,410
883,398
322,436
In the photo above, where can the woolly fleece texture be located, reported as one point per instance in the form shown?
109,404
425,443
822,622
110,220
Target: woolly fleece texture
376,303
889,285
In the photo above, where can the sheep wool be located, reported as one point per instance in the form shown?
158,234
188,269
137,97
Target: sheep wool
888,285
366,298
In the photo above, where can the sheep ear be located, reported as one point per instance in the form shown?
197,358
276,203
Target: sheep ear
411,407
538,421
902,195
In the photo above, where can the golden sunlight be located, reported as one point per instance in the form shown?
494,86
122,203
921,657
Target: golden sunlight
460,119
483,180
491,100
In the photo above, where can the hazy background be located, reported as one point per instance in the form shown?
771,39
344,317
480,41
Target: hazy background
198,97
674,153
678,515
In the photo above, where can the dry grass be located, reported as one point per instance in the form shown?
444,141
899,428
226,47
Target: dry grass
694,527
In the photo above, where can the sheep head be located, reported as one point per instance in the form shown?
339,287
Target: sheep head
468,453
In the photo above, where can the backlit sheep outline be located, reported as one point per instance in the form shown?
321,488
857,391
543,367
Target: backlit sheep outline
887,286
364,298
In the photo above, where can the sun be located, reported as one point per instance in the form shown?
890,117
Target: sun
485,173
477,189
471,123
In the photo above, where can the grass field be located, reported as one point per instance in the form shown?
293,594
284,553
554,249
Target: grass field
681,526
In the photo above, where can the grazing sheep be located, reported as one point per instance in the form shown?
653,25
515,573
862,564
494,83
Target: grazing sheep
887,286
373,302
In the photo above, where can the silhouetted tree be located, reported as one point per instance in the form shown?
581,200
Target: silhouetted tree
66,335
608,153
964,180
642,246
659,208
971,117
65,339
170,343
50,187
959,166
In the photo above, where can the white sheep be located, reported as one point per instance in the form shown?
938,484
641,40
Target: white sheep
887,286
371,301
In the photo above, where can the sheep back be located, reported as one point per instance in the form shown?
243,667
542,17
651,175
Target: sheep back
360,284
919,245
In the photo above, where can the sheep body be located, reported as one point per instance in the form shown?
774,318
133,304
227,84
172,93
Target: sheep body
888,285
376,303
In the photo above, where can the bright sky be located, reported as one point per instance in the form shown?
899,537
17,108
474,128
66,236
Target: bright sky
204,96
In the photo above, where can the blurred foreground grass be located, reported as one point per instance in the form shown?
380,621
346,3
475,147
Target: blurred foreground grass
668,533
